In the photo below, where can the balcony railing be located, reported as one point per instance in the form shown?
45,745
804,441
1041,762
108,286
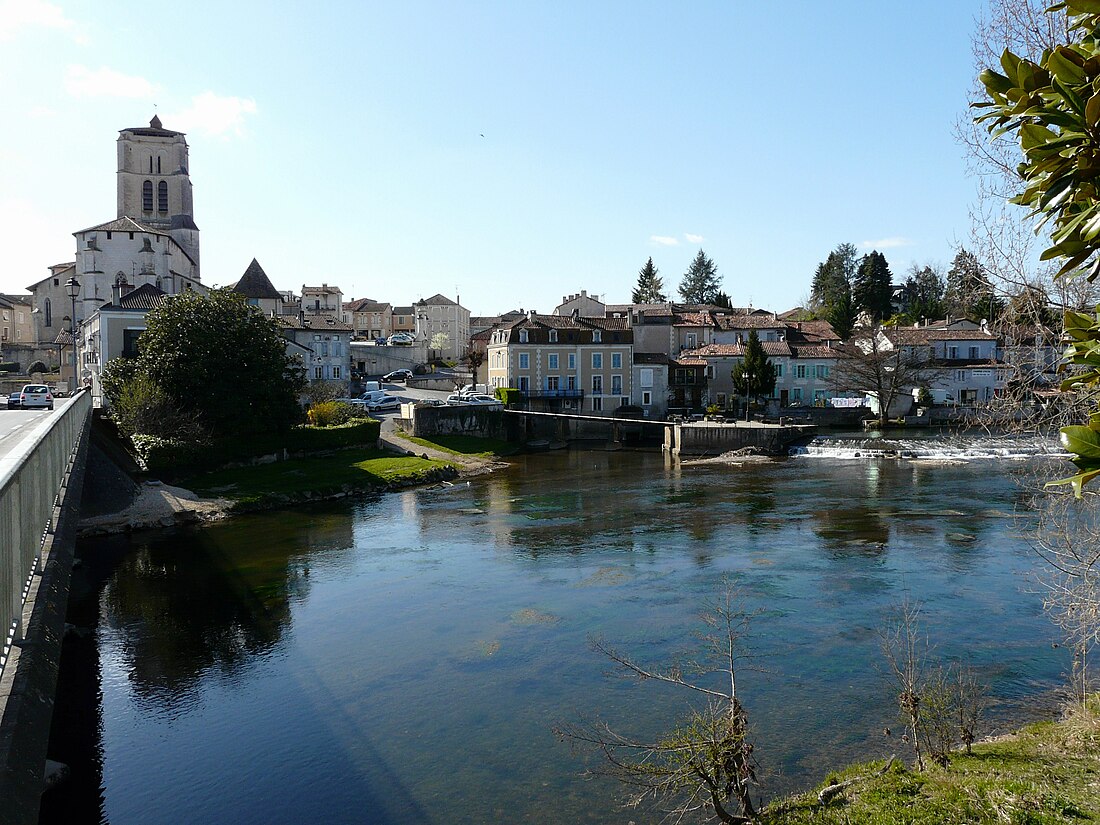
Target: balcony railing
555,393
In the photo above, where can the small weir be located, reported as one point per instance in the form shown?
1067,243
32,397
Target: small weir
944,447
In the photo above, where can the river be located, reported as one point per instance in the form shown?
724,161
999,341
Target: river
403,660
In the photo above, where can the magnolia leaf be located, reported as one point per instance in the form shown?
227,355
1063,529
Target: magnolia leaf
1081,441
1078,481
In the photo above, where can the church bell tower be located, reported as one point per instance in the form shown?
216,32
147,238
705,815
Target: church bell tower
154,185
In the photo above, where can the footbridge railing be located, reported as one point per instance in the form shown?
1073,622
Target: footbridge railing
32,488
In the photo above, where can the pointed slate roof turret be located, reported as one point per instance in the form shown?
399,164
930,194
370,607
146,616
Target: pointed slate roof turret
255,283
155,123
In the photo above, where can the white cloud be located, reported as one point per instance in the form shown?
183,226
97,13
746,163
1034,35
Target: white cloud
42,113
19,14
693,238
886,243
663,240
213,115
80,81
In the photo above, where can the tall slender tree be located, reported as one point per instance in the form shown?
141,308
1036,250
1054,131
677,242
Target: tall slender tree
755,375
969,292
650,288
872,287
700,284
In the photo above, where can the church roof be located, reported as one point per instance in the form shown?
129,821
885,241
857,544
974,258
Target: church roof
255,283
122,224
155,129
437,300
144,297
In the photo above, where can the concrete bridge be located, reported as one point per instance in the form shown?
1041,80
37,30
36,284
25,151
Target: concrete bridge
40,488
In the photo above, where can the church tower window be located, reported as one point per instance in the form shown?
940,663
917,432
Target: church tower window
162,196
48,312
147,194
158,164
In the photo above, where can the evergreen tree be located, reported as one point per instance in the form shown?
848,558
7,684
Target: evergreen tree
723,300
842,314
650,289
833,278
701,283
923,293
872,289
755,375
969,292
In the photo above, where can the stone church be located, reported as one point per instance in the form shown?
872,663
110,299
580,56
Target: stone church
153,241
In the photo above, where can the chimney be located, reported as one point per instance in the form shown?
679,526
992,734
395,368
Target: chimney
575,314
985,325
532,315
584,293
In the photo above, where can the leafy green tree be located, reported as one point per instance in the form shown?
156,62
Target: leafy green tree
650,288
923,291
755,374
872,286
700,284
215,360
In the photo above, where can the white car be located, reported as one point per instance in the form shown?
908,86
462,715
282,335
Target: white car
401,338
481,398
386,402
35,395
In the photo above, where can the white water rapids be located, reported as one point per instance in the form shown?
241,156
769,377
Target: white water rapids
943,447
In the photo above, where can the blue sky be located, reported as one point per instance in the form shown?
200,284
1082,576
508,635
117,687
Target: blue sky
507,152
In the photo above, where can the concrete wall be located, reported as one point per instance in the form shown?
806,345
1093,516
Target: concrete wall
715,439
463,420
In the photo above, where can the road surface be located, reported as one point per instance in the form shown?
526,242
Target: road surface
15,425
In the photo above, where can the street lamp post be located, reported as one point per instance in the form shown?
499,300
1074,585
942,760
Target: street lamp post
748,389
72,287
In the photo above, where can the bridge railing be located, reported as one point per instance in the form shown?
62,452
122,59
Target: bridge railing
31,478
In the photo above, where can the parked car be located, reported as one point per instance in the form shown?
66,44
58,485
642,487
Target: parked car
401,375
36,395
456,399
13,401
364,399
386,402
480,398
402,339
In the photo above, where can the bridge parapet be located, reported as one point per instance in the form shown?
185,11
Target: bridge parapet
31,487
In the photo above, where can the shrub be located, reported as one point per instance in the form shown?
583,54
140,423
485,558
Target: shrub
334,413
156,454
142,407
9,366
509,395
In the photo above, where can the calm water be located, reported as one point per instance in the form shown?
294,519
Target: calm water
403,660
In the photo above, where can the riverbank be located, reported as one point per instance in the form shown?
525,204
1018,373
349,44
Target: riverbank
1046,773
351,473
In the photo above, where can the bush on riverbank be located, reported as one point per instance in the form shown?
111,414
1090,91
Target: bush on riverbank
178,457
1045,774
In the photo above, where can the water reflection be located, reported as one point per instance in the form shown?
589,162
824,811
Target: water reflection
403,660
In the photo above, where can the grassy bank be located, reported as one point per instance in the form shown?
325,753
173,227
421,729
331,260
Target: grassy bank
346,471
488,448
1049,773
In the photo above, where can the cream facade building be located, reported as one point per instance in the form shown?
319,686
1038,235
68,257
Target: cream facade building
564,363
440,315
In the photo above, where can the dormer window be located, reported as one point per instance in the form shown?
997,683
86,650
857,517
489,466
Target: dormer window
523,336
553,336
596,338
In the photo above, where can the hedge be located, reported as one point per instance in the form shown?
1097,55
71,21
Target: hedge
163,455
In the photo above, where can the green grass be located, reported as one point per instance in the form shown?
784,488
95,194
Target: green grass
1049,774
361,469
467,445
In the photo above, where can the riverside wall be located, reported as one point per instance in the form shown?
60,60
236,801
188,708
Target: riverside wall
712,439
